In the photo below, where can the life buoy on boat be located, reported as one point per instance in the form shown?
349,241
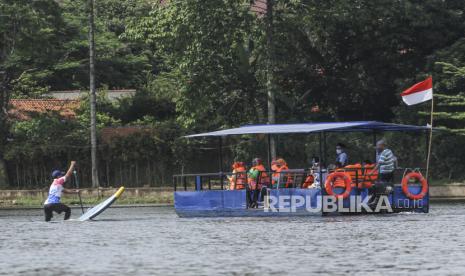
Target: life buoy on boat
419,177
347,182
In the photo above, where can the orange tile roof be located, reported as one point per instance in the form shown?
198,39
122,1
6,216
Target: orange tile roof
22,108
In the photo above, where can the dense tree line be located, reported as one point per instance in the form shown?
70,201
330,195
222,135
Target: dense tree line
201,65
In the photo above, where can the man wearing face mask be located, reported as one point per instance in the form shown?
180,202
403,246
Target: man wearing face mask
341,156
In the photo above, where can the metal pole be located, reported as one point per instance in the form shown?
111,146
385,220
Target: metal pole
321,172
220,153
426,148
322,161
220,157
93,127
325,153
374,145
430,139
269,152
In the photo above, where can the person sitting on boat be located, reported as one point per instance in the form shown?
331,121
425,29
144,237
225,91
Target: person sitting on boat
257,179
341,155
309,180
278,178
355,171
339,182
237,180
312,179
360,174
52,203
274,168
370,174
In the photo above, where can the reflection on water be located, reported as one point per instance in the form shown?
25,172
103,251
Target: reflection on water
141,241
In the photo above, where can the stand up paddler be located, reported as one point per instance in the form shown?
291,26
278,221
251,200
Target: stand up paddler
53,201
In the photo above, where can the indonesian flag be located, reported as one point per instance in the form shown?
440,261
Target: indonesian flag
420,92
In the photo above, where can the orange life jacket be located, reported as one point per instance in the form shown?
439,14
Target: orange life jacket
263,178
339,182
356,173
308,181
279,175
238,180
288,176
369,180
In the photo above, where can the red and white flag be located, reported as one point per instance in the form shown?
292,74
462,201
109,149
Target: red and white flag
420,92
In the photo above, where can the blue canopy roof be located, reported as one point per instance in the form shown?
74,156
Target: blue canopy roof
312,127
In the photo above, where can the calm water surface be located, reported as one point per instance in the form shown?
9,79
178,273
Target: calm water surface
154,241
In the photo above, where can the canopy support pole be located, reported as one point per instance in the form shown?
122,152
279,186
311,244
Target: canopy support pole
374,145
269,151
426,148
325,152
320,151
322,161
220,160
220,153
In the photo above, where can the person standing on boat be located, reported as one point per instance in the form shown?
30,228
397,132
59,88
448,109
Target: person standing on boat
385,162
238,178
341,155
257,179
52,203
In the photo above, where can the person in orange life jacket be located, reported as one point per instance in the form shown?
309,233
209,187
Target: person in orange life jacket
237,180
370,174
357,173
276,167
257,179
284,180
52,203
309,180
339,182
312,179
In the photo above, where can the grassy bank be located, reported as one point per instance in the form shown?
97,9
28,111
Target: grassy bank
37,201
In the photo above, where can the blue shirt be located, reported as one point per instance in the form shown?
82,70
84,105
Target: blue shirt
342,158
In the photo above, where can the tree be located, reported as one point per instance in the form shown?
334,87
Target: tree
30,32
205,46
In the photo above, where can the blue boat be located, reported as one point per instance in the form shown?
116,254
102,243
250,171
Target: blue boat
210,194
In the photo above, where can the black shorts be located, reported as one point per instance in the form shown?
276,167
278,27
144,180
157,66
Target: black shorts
57,208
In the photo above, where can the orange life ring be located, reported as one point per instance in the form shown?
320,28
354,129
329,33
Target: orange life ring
424,185
347,182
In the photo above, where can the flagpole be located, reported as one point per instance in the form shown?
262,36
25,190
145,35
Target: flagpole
430,138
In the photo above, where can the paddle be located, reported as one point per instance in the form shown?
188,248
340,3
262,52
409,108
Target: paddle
77,187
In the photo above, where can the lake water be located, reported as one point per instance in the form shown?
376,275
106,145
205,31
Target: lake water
154,241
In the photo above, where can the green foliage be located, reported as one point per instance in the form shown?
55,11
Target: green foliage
199,43
202,65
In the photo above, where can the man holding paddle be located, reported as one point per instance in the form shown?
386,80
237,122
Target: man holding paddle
53,204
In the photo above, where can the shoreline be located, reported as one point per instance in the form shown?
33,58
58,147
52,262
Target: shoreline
78,207
136,197
157,197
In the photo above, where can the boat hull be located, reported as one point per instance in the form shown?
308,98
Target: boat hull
225,203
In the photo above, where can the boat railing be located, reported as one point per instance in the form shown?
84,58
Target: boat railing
292,178
200,181
237,181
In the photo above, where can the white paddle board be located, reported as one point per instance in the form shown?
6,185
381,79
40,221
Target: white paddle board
96,210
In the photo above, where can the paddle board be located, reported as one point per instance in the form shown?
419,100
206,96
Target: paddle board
95,211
